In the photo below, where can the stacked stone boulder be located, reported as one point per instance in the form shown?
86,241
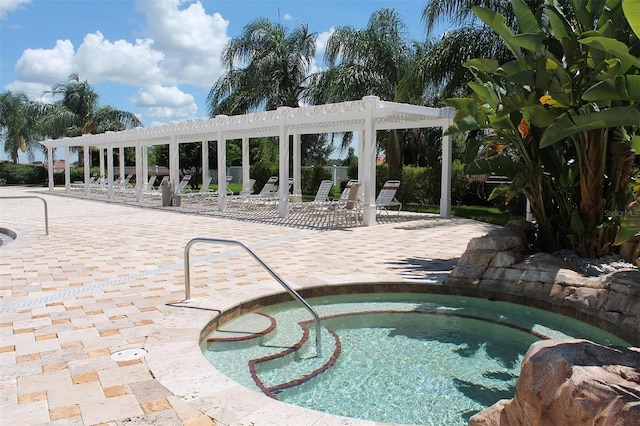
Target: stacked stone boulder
496,266
571,382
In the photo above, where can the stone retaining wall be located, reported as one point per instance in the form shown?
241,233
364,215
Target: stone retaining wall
495,267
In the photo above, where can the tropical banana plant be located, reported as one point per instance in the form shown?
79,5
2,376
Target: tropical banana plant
561,120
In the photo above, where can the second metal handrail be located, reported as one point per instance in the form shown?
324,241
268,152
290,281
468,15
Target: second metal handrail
283,283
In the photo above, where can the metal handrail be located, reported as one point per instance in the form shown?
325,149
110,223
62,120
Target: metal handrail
283,283
46,214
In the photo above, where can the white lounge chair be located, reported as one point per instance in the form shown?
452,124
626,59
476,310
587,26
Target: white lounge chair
321,199
387,196
183,184
203,193
268,193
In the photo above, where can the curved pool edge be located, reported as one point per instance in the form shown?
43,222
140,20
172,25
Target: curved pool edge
175,357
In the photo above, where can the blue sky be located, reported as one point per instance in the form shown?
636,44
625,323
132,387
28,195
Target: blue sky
155,58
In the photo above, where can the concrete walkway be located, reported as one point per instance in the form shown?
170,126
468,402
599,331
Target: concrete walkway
94,330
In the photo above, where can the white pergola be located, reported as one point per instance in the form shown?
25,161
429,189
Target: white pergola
364,117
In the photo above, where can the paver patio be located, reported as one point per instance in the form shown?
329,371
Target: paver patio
110,277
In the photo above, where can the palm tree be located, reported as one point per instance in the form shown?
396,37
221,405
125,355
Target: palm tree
79,113
370,61
17,124
437,72
267,67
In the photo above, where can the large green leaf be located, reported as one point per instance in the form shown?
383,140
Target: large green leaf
528,41
631,10
624,88
629,226
497,23
612,47
570,123
484,93
526,20
560,27
467,105
484,65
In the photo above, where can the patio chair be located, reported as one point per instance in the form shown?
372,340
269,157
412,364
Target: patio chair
183,184
321,199
350,206
202,193
267,193
387,196
149,185
152,190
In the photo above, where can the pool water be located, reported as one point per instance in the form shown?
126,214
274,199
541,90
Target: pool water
393,358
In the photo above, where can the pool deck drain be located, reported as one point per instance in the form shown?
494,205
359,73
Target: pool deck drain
109,279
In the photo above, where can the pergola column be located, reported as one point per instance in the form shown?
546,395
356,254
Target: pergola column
67,169
110,171
174,162
145,164
101,151
50,168
246,166
222,171
283,178
205,160
368,166
297,167
122,172
140,174
445,180
87,170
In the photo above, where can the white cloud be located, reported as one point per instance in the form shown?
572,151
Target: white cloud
182,45
161,102
321,41
47,66
8,6
287,17
191,40
100,60
34,91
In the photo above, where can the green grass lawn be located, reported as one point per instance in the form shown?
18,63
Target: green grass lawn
487,214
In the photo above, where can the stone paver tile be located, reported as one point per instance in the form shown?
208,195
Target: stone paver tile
155,405
118,390
64,412
35,413
124,375
27,398
85,378
46,381
149,390
62,396
39,346
110,409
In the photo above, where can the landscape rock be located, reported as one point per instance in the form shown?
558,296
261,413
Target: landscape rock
495,266
570,382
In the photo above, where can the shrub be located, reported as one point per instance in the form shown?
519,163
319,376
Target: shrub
311,178
261,172
23,173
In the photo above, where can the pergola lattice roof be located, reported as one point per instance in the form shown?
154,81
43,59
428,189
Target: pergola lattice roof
365,117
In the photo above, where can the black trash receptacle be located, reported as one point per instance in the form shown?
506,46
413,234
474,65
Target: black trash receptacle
167,194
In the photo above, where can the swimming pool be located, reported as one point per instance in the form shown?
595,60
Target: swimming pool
395,358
